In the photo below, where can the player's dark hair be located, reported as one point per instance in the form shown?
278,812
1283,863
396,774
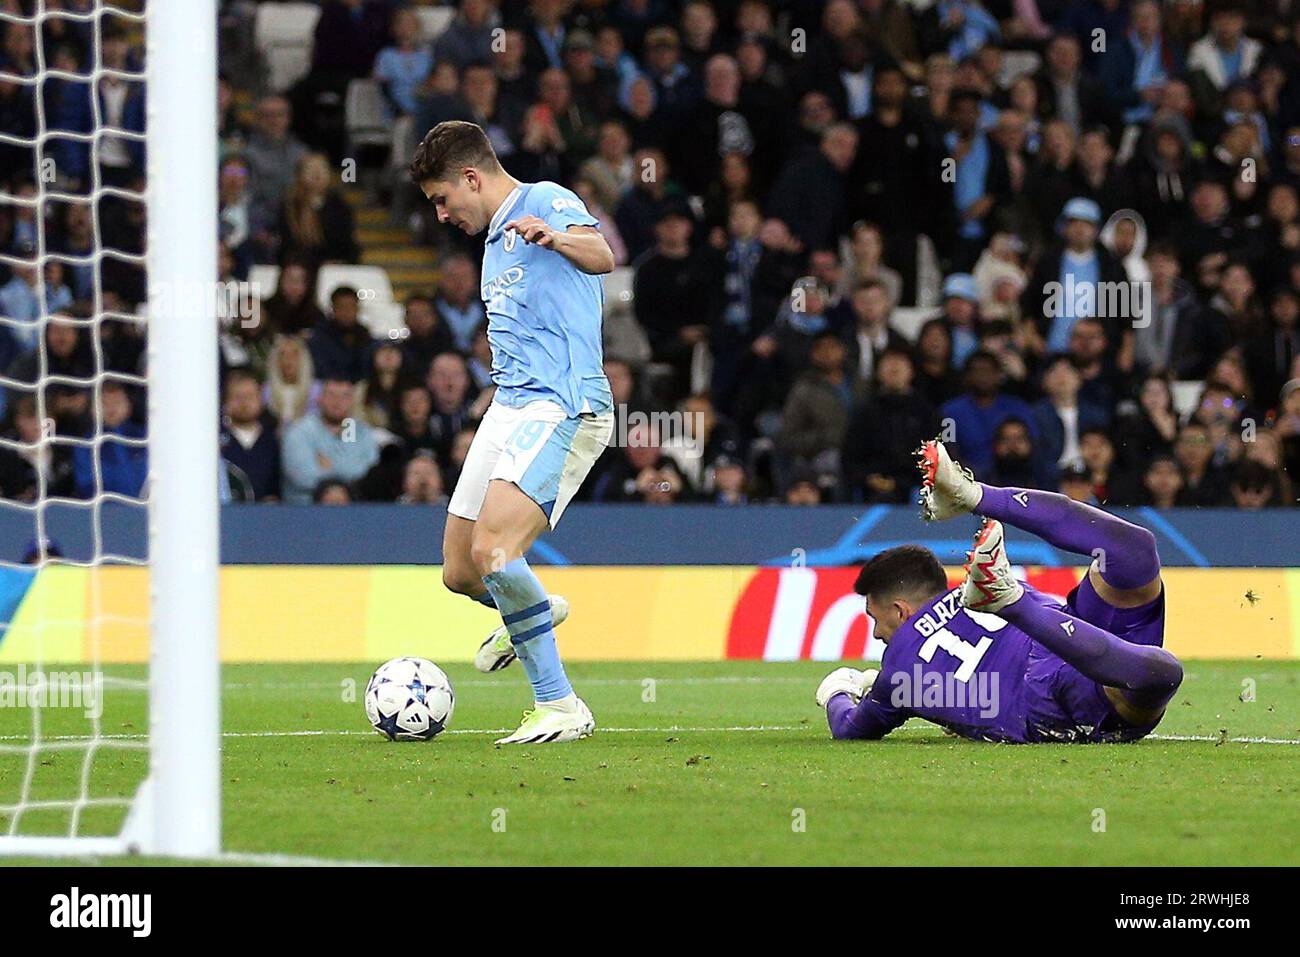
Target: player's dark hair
906,570
448,148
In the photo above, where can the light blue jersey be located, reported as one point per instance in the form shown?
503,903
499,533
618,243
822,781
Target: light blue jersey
544,313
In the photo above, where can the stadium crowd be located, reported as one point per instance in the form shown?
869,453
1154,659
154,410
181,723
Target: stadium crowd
1025,225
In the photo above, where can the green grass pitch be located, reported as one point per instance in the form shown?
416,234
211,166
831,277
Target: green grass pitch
718,763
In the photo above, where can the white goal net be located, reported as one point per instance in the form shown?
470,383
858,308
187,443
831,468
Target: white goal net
108,456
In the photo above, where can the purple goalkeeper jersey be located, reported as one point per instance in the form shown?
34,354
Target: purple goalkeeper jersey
985,679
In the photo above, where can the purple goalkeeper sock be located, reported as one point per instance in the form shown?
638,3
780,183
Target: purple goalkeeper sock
1099,655
1128,556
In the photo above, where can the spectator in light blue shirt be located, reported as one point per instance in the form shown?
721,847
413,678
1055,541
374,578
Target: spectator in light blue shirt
980,175
1080,270
325,444
961,315
970,26
20,299
458,301
404,67
611,55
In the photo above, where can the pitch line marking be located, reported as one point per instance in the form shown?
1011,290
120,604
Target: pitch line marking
489,683
142,686
672,729
290,860
242,857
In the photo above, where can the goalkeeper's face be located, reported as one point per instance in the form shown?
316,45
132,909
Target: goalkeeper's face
459,202
888,615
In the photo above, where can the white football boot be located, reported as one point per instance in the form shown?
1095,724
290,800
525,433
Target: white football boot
497,652
989,584
553,722
947,489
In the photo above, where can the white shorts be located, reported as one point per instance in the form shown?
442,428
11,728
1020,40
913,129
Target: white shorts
539,448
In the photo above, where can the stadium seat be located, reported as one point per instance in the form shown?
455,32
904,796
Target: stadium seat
286,65
364,279
624,338
687,457
381,318
929,277
402,143
1186,393
283,33
264,279
1018,63
434,21
366,114
618,289
907,320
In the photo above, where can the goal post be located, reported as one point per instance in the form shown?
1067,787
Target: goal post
184,543
176,809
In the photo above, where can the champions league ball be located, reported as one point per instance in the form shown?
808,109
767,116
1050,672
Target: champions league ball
409,699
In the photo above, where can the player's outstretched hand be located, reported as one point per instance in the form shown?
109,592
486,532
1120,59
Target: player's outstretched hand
533,230
848,681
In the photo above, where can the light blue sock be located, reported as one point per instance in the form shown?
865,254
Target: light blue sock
485,599
526,611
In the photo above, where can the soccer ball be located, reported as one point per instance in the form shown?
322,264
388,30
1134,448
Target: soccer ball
409,699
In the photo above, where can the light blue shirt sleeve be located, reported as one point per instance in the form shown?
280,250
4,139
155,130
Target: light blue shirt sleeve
298,459
560,208
386,64
354,459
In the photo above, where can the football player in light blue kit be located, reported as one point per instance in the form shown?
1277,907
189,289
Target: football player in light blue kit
551,416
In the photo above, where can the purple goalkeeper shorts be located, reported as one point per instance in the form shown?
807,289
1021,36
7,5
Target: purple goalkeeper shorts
1064,705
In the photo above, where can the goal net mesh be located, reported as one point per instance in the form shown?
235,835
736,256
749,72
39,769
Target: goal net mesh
74,602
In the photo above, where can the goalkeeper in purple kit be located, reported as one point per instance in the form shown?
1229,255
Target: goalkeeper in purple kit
996,660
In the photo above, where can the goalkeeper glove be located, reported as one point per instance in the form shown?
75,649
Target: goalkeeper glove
848,681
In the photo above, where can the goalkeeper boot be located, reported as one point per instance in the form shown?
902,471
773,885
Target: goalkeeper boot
989,586
497,652
551,722
947,489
